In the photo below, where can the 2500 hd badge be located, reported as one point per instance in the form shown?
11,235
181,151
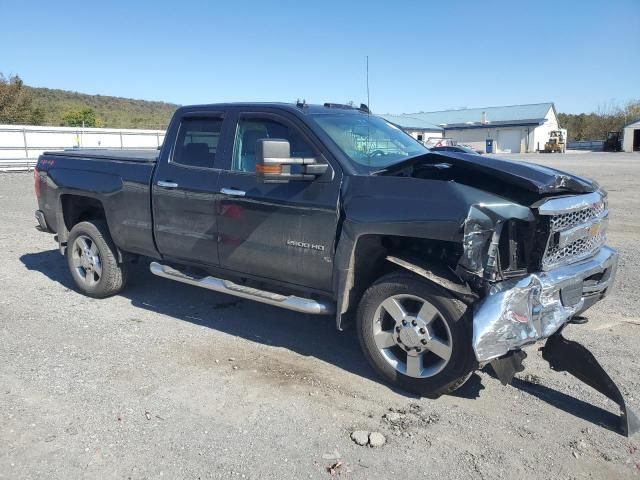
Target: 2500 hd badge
311,246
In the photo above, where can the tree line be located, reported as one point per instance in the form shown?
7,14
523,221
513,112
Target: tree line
594,126
25,105
16,104
21,104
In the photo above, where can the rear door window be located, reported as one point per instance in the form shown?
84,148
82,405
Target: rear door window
197,142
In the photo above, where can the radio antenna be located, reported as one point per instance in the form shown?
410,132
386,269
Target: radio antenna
368,100
368,145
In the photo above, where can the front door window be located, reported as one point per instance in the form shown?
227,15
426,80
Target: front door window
250,130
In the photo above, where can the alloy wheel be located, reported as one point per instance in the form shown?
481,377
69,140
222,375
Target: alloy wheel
85,258
412,336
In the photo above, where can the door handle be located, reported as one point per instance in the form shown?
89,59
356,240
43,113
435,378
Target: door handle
162,183
233,192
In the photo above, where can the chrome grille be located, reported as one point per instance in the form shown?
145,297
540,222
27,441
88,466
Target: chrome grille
573,252
577,228
572,219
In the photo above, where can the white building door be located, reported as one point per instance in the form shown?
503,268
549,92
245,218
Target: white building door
509,141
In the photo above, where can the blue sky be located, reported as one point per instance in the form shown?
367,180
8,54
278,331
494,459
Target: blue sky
423,55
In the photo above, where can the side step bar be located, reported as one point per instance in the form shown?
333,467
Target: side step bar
290,302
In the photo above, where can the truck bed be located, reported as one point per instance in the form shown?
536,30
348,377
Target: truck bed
144,156
119,179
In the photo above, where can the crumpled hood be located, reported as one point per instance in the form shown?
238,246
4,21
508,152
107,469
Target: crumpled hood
534,178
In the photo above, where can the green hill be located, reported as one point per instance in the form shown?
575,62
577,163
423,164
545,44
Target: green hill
112,112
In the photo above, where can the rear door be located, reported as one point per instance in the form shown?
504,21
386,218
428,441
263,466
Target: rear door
185,188
285,232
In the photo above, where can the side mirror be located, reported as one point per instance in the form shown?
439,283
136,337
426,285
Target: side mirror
274,162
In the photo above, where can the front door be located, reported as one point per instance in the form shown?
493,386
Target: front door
184,191
285,232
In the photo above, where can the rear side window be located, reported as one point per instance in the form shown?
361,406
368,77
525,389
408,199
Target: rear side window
197,142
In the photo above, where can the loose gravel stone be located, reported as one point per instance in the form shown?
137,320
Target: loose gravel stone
361,437
376,439
392,417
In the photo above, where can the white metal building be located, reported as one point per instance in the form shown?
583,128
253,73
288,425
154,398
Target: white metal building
514,128
631,140
418,129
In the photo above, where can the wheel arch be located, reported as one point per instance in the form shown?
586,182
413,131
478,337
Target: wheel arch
73,209
79,208
362,260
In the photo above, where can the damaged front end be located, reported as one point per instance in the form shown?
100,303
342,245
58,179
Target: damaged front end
522,311
537,268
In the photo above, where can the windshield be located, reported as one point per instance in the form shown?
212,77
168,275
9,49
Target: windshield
370,142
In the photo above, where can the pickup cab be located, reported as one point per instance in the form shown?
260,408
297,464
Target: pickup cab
444,261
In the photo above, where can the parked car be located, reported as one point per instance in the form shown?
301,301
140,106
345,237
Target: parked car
455,148
447,261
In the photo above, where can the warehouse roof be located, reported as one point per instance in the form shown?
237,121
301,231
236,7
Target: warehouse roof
408,121
530,114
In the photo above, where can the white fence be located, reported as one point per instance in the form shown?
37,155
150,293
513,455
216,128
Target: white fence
21,145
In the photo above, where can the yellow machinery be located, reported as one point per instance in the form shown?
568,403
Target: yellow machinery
557,142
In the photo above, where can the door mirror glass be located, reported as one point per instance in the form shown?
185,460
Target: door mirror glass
274,163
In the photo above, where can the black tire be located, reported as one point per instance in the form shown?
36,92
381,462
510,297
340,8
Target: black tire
461,363
113,276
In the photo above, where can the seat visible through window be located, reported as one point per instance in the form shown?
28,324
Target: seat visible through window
198,154
197,142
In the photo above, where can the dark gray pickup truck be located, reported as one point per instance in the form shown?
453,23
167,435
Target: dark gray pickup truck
446,261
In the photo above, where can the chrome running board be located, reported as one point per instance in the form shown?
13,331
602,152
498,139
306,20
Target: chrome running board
290,302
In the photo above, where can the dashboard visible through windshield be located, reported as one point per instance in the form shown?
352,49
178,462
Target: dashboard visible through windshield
370,142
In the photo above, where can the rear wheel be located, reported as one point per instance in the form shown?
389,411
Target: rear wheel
91,257
415,335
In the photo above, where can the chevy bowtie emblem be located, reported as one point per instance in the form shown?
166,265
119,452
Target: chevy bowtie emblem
594,229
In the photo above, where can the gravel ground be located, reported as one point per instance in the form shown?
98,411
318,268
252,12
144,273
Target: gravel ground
170,380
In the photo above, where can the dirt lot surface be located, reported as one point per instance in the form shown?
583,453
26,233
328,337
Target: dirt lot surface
174,381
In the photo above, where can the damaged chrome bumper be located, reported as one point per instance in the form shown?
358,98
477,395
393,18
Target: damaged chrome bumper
520,312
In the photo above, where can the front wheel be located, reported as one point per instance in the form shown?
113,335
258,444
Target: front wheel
415,335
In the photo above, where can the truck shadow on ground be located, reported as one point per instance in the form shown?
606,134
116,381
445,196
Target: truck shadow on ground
567,403
308,335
